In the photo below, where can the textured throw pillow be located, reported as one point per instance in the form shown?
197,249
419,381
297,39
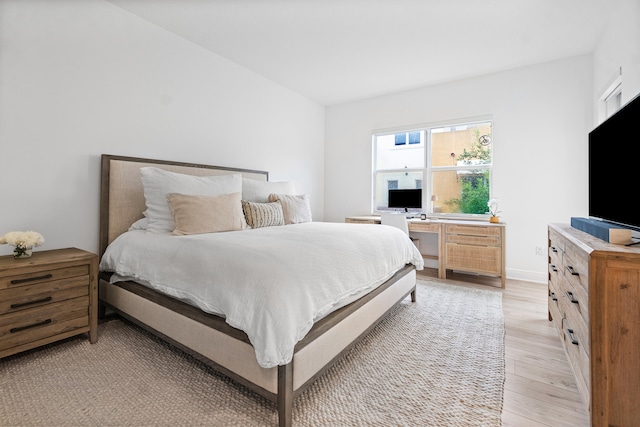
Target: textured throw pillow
258,191
260,215
205,214
296,209
157,183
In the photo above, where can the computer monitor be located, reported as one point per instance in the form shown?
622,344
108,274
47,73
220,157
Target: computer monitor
405,199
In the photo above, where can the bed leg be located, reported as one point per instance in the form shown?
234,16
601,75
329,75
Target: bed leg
413,295
285,395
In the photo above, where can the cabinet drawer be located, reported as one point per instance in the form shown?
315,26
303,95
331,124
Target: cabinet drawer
481,259
42,322
44,275
26,297
473,230
424,226
473,240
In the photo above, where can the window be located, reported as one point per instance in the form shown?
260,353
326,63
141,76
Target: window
451,163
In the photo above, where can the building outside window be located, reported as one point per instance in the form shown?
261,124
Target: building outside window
451,163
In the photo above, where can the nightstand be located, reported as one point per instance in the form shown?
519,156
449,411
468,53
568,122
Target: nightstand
47,297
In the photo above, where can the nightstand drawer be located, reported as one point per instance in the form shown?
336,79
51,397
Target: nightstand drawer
26,297
43,275
41,322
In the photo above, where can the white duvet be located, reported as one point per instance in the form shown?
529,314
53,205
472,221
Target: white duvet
274,282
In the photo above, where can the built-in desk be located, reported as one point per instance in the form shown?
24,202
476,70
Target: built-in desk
472,246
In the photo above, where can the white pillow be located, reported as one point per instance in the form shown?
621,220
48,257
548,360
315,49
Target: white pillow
258,191
157,183
296,209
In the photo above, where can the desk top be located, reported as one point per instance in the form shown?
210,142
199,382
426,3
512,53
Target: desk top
482,222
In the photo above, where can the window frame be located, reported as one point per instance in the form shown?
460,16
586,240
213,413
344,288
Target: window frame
428,169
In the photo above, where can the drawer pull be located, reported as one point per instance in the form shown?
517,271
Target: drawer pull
572,271
571,297
571,337
554,249
553,296
22,328
553,267
31,279
38,301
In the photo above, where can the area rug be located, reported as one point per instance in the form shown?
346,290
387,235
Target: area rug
436,362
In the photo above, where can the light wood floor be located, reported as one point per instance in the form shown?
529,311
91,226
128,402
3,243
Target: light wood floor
540,388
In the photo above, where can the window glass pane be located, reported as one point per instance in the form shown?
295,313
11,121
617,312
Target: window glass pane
460,191
414,137
386,181
461,145
392,156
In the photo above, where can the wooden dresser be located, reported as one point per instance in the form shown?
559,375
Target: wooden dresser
594,302
47,297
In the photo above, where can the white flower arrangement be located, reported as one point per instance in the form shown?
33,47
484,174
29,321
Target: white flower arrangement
23,241
493,207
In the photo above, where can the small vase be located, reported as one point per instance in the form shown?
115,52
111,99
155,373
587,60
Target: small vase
22,252
494,219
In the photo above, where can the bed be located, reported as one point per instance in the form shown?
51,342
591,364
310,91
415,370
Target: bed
270,304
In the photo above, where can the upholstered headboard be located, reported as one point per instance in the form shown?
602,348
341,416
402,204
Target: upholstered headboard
122,197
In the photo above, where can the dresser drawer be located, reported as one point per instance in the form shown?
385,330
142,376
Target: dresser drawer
578,357
30,325
42,275
571,312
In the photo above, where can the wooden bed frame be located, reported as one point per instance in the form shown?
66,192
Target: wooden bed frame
207,337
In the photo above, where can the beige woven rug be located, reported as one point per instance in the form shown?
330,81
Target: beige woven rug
436,362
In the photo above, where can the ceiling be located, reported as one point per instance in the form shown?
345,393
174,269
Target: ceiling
336,51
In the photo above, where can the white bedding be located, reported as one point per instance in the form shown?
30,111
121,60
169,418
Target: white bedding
274,282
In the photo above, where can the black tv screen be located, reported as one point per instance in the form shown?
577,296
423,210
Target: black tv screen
614,156
405,199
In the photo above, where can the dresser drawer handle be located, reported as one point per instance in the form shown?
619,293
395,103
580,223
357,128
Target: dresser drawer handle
554,249
572,271
553,267
22,328
38,301
31,279
571,337
553,296
571,297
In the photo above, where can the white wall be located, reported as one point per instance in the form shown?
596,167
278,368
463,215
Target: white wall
83,78
619,47
541,117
